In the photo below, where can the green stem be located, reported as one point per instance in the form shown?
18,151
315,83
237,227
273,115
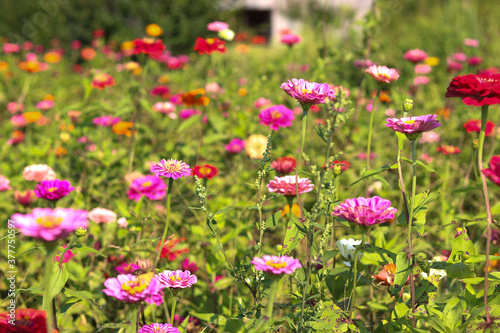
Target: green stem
134,314
305,111
484,118
289,199
272,295
355,277
368,148
68,247
172,313
51,248
26,88
169,195
410,220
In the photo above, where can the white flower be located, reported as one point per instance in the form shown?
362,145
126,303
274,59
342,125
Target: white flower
227,34
347,249
441,273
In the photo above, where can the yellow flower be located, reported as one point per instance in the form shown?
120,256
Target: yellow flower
52,57
154,30
60,151
242,92
127,46
32,117
227,34
432,61
255,146
295,210
49,98
64,136
3,66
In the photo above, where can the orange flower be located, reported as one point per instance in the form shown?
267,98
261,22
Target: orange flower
68,128
60,151
163,79
88,53
31,66
444,112
3,66
49,97
242,92
242,48
295,210
43,121
123,128
52,57
383,97
386,275
154,30
32,117
195,97
493,264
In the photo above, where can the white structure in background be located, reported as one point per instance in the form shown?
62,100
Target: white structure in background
273,9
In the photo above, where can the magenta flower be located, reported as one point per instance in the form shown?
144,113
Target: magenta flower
493,173
308,92
415,56
217,26
286,185
4,184
67,256
151,186
53,190
105,121
132,289
158,328
290,39
276,116
45,105
126,268
177,279
276,265
365,211
171,169
412,125
235,146
49,225
383,73
186,265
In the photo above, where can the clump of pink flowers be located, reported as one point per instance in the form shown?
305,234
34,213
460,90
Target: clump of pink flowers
276,116
286,185
150,186
102,215
38,172
276,265
383,73
177,279
365,211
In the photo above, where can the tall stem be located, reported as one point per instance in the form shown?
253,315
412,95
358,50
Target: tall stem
134,314
355,277
305,111
368,148
410,220
169,195
484,118
172,314
68,247
51,248
272,295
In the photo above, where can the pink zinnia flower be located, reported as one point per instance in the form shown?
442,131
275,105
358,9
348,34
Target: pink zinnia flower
102,215
276,116
420,80
38,172
415,56
188,113
102,81
177,279
363,63
25,198
53,190
453,66
150,186
45,105
286,185
217,26
186,265
308,92
429,137
235,146
162,91
383,73
461,57
158,328
365,211
122,222
422,69
18,120
290,39
166,107
67,256
11,48
132,289
471,42
126,268
411,125
171,169
493,173
14,107
276,265
284,164
262,102
4,184
106,121
474,61
49,225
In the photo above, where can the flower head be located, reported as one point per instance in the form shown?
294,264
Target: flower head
4,184
383,73
471,42
149,46
171,169
126,268
186,265
25,198
209,45
429,137
45,105
205,171
493,173
477,90
415,55
106,121
255,146
177,279
150,186
102,81
26,321
217,26
262,102
386,275
67,256
290,39
49,225
162,91
413,125
474,125
365,211
168,248
195,97
132,289
158,328
308,92
284,165
102,215
235,146
53,190
226,34
276,265
286,185
448,150
276,116
38,172
347,249
154,30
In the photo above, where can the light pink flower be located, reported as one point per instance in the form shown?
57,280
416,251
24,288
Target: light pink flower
38,172
102,215
415,55
217,26
122,222
410,125
286,185
365,211
429,137
45,105
4,184
18,120
164,107
126,268
11,48
390,112
158,328
214,88
171,169
276,116
276,265
471,42
262,102
177,279
14,107
420,80
132,289
308,92
383,73
422,69
459,56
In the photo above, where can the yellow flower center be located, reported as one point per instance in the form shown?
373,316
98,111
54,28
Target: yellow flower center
410,122
210,40
52,189
275,114
175,278
49,221
205,171
306,91
171,166
135,286
276,263
146,184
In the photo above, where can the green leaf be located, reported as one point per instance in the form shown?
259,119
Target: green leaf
403,268
293,236
188,123
224,324
425,292
222,211
122,209
480,258
69,303
78,294
273,220
460,270
218,247
329,255
401,140
57,280
147,240
114,326
373,172
327,316
419,163
377,255
400,310
419,212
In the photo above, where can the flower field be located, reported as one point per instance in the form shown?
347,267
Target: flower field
340,182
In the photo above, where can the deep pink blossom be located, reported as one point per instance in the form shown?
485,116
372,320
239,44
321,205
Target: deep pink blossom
132,289
276,265
235,146
308,92
290,39
217,26
126,268
158,328
493,173
286,185
171,169
150,186
415,55
106,121
177,279
53,190
410,125
276,116
365,211
383,73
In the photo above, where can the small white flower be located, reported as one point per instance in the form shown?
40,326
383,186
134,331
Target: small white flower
347,249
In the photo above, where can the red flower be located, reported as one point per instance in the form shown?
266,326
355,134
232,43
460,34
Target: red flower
259,40
27,321
284,165
493,173
102,80
474,125
448,150
162,91
209,45
344,165
149,46
205,171
169,244
477,90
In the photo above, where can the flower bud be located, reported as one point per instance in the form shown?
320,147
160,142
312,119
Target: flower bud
407,105
475,144
80,232
337,169
279,248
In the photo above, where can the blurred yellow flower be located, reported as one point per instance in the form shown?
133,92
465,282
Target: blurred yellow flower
64,136
32,117
432,61
154,30
242,91
49,98
3,66
52,57
255,146
295,210
127,46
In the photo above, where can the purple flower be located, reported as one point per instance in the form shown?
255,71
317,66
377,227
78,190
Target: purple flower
49,225
413,125
132,289
189,266
177,279
308,92
235,146
276,265
276,116
365,211
158,328
171,169
53,190
151,186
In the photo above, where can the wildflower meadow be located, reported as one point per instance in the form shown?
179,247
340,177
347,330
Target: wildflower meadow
176,169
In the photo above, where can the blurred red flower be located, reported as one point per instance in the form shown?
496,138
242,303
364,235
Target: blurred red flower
474,125
205,171
477,90
209,45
